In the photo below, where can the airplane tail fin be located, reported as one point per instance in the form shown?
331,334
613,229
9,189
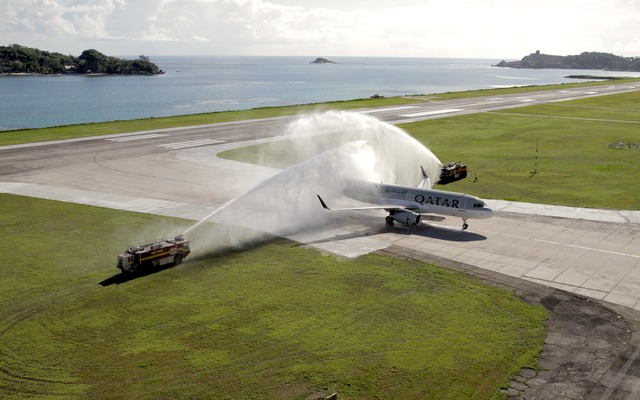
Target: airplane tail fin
426,182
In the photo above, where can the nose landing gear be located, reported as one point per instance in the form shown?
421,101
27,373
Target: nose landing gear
464,224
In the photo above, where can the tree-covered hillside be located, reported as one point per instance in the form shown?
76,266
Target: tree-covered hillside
20,59
586,60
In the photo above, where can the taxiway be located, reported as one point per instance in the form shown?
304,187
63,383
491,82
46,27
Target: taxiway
175,172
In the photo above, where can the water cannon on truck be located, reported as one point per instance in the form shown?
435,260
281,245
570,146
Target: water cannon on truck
155,254
454,171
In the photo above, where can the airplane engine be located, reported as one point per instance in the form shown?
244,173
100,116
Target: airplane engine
406,217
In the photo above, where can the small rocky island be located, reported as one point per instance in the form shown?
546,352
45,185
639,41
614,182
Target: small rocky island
586,60
320,60
21,60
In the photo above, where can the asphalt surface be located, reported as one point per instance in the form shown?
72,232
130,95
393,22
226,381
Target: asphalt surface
583,265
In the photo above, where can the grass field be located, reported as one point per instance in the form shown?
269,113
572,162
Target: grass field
275,321
107,128
574,165
281,321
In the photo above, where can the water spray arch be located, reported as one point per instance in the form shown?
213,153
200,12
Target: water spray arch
354,146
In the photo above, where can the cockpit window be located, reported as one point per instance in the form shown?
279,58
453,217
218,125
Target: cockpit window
478,205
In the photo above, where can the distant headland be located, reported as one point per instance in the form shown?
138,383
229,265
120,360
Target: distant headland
21,60
586,60
320,60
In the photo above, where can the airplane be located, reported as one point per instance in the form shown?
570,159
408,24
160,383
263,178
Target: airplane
405,204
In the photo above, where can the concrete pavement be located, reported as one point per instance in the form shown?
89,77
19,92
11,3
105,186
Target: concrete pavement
595,253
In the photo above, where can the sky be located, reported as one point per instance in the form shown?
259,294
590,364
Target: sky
491,29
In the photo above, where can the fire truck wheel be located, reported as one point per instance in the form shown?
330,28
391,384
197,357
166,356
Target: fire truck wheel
177,260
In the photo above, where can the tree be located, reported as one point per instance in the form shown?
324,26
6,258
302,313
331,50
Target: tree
16,58
93,61
17,66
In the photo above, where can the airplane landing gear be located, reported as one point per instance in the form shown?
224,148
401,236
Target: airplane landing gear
389,220
464,224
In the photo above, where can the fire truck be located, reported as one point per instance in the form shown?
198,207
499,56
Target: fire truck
161,252
454,171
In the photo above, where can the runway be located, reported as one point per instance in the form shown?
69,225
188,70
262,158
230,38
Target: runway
175,172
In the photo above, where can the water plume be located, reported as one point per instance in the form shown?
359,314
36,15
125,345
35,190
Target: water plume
336,147
397,155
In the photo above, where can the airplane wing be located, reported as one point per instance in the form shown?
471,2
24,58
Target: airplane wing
377,207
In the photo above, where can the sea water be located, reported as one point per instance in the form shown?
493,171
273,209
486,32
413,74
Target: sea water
206,84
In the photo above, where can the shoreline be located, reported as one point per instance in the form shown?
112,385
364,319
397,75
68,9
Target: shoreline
19,74
220,84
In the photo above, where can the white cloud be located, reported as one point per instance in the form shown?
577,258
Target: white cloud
427,28
200,39
62,18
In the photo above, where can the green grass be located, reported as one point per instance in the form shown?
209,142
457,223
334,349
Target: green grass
108,128
114,127
275,321
525,89
575,167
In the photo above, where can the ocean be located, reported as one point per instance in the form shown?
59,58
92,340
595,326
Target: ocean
193,85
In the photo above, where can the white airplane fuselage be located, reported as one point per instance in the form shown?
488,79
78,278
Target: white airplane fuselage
396,198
